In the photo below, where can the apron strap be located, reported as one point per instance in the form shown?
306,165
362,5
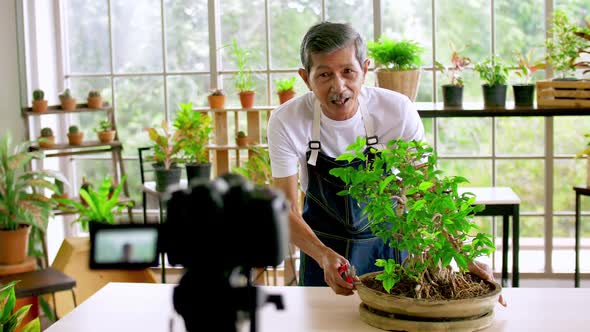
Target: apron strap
314,144
372,139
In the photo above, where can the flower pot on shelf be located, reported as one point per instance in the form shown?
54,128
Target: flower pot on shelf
403,81
94,102
198,171
75,138
494,96
216,102
107,136
247,98
452,95
523,94
47,141
68,104
39,106
166,177
285,96
13,245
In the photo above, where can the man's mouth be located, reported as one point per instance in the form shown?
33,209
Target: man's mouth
339,100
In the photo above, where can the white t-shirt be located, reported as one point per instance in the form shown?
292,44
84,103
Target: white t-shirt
290,128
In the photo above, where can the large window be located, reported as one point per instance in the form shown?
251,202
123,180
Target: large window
147,56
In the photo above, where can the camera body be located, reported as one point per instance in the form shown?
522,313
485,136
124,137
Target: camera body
219,231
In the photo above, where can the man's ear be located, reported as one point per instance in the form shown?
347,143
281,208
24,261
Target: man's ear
366,64
305,76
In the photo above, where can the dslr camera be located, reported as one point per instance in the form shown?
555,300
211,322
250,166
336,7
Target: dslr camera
219,231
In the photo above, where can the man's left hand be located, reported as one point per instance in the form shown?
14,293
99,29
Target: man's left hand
484,271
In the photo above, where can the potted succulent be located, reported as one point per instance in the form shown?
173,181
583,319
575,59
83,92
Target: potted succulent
46,140
285,89
105,131
414,208
524,91
564,46
22,203
11,318
94,99
243,79
242,139
39,102
398,64
453,91
75,136
216,99
193,129
494,73
165,156
68,103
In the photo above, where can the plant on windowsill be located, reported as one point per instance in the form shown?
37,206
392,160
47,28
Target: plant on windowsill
68,103
285,89
193,129
564,47
243,80
494,73
10,320
453,91
398,64
166,156
39,102
216,99
106,133
75,136
46,140
94,99
242,139
257,167
415,209
524,91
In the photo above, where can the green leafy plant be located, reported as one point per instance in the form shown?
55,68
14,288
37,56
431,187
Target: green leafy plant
166,145
103,125
459,62
565,45
257,167
286,84
241,57
193,129
492,71
10,321
415,209
392,54
100,205
38,94
528,66
21,192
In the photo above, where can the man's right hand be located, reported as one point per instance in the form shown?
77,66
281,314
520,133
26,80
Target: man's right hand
330,263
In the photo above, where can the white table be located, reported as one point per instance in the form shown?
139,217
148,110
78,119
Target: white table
148,307
501,201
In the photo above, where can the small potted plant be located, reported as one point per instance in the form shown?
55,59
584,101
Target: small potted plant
105,131
494,73
39,102
524,92
420,212
46,140
257,167
75,136
216,99
12,318
564,46
398,64
166,156
453,91
243,79
94,99
242,139
193,130
285,89
68,103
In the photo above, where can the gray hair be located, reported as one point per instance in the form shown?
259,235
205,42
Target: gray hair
326,37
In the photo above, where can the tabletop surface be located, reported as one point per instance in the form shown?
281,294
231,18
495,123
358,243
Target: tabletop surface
492,195
148,307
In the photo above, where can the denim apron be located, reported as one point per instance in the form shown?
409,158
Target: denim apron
337,220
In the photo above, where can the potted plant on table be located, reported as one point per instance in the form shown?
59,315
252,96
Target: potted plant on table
453,91
94,99
75,136
39,102
11,319
524,92
216,99
398,64
46,140
285,89
193,129
243,79
68,103
165,156
22,203
106,133
494,73
418,211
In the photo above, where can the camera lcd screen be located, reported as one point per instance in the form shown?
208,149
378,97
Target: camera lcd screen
126,246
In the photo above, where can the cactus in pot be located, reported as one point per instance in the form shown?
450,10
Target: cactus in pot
94,99
39,102
68,102
75,136
47,140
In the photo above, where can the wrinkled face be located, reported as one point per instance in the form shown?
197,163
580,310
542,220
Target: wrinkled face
336,79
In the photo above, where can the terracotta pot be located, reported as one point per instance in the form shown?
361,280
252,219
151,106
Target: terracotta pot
95,102
286,96
242,141
13,245
216,102
107,136
247,99
47,142
68,104
76,139
39,106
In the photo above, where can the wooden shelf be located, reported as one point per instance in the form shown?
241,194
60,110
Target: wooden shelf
437,110
235,147
56,109
235,109
84,145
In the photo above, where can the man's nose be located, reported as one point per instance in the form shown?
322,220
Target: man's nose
338,83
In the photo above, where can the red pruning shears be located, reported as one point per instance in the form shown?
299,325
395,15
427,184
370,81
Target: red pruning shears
348,273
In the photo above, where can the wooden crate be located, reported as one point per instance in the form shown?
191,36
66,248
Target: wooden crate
563,93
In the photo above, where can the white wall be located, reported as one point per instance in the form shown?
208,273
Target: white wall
10,118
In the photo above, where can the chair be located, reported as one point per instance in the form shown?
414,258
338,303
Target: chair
44,280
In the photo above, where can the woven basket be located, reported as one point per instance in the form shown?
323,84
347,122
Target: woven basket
404,81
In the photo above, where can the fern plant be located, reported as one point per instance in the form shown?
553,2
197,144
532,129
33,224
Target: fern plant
395,54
